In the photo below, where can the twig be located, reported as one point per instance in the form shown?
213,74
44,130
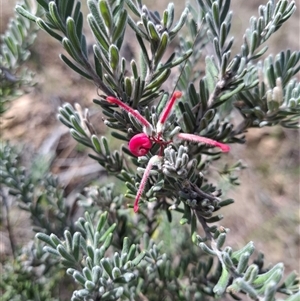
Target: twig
204,225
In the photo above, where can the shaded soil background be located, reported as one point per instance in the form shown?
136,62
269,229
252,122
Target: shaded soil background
266,208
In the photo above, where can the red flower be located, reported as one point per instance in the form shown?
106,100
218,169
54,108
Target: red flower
140,144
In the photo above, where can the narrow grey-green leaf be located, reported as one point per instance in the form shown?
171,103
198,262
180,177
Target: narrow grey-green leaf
227,95
128,86
211,71
106,14
74,67
137,30
253,42
220,287
127,277
96,143
134,69
170,10
55,16
25,13
64,253
113,294
97,32
216,14
164,40
106,266
105,146
120,26
158,81
139,258
144,50
45,27
79,278
153,32
45,238
72,34
109,231
68,46
101,222
114,57
133,8
179,24
76,245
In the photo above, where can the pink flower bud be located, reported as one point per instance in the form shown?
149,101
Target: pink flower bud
140,144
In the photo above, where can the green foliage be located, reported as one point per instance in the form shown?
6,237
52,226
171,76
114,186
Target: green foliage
14,52
37,191
108,252
83,255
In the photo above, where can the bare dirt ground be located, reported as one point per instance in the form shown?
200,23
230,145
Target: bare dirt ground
267,201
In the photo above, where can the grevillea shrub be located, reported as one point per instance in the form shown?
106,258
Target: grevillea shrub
174,132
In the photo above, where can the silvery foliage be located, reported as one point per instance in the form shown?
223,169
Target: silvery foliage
14,51
263,92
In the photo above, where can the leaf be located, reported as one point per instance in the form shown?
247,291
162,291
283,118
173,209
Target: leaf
114,57
77,126
211,72
55,16
249,248
25,13
216,14
68,46
133,8
64,253
177,61
72,35
179,24
79,278
109,231
120,26
74,67
98,32
137,30
164,40
187,216
106,14
113,294
45,238
228,95
76,245
45,27
144,50
139,258
106,266
206,249
159,80
127,277
170,10
222,283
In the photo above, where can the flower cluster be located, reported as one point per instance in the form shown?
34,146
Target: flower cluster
141,143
